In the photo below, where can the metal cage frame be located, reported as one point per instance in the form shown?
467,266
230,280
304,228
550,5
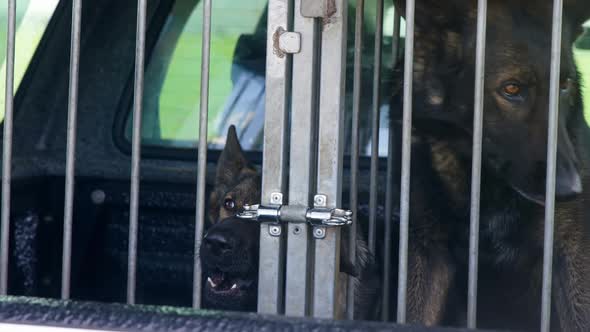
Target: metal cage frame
306,43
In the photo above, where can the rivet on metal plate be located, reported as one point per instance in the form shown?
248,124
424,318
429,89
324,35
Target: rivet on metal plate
320,200
274,230
319,233
276,198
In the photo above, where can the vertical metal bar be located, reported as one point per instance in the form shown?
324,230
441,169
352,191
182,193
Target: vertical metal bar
71,148
136,149
330,151
354,150
389,192
406,163
7,146
551,164
298,283
278,75
375,123
476,163
202,161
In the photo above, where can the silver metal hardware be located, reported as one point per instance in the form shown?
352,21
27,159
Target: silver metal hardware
318,217
318,8
320,200
276,198
275,230
289,42
319,232
326,217
98,197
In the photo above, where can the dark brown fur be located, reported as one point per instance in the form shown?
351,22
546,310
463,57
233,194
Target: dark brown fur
513,176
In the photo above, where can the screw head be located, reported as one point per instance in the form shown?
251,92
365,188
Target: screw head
98,197
276,198
275,230
319,233
320,200
296,230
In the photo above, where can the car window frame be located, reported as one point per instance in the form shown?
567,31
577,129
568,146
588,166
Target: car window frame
154,152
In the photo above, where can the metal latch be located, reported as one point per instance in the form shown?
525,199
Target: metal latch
319,217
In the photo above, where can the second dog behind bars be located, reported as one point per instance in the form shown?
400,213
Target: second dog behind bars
229,250
515,127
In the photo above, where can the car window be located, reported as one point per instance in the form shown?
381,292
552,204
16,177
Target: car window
172,80
32,18
238,46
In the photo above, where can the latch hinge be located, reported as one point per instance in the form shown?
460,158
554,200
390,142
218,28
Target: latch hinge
319,217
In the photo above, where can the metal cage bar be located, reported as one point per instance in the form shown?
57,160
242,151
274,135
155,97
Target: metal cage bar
476,163
406,163
7,146
136,148
330,162
271,279
354,150
551,164
202,153
389,190
302,164
71,148
375,123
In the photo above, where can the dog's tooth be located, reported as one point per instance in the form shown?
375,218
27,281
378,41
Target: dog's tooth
211,283
234,286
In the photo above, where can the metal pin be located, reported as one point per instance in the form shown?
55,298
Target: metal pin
406,164
476,164
136,149
202,162
71,148
7,147
551,165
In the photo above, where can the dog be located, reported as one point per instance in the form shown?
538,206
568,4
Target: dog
229,250
515,126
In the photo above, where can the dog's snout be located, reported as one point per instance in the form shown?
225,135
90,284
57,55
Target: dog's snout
218,243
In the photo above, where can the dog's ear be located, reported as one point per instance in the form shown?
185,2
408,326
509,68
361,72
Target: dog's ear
232,160
441,13
578,11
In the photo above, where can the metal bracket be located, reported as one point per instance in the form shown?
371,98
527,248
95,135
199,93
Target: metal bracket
318,8
319,217
266,214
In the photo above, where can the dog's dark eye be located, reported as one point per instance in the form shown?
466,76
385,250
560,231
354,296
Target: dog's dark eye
229,204
566,85
513,91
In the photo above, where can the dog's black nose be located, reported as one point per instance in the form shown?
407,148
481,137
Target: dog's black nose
218,243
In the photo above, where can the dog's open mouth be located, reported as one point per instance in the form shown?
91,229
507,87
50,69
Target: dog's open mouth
225,283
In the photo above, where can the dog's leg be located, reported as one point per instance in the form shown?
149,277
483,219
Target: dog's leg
571,287
430,275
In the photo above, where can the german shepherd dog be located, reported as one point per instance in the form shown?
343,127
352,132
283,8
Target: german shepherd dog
516,99
229,250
